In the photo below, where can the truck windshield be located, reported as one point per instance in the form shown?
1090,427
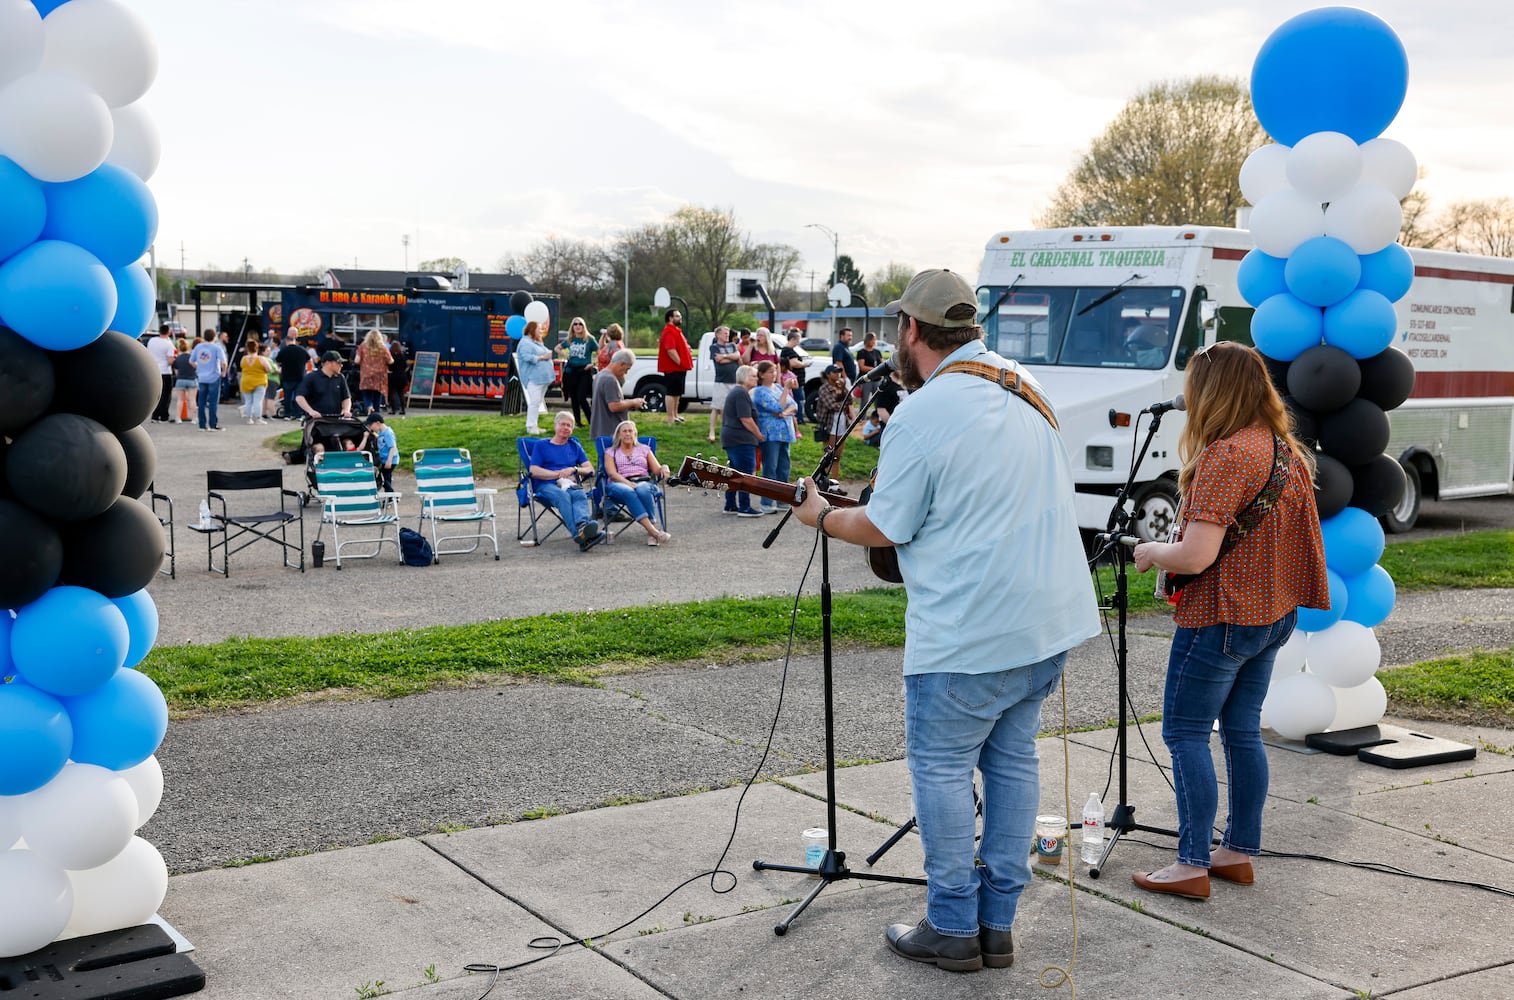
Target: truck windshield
1133,328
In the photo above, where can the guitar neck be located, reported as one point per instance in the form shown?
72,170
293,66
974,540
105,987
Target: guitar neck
702,472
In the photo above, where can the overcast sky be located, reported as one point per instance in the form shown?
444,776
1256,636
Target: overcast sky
303,133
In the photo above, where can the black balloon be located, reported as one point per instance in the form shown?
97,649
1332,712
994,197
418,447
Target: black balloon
113,380
66,467
519,301
1278,372
1332,486
1324,378
1380,485
141,461
31,555
26,381
1305,423
1387,378
117,553
1355,434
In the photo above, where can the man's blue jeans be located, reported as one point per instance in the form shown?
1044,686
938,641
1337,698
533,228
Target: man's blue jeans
208,401
775,464
954,723
1219,672
638,499
743,459
572,504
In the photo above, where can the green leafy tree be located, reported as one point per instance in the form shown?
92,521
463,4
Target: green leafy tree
889,281
1172,156
444,265
846,272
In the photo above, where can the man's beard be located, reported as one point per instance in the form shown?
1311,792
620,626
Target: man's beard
909,372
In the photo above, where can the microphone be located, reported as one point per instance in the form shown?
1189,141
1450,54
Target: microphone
880,372
1175,403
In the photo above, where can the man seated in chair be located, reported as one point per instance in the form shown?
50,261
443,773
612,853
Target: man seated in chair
558,467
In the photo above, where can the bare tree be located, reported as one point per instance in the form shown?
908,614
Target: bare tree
707,242
1172,156
1483,226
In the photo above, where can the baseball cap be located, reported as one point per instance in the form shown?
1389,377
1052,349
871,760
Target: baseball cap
833,368
330,356
931,295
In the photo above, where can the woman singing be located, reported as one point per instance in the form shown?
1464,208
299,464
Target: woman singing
1250,541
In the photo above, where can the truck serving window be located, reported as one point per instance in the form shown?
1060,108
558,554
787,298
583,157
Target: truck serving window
1134,328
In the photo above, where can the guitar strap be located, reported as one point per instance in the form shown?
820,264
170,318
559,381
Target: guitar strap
1005,378
1250,516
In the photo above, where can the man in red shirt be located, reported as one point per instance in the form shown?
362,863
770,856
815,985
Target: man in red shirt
674,359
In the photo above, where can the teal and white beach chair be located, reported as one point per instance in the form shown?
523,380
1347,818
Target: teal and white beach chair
444,482
350,498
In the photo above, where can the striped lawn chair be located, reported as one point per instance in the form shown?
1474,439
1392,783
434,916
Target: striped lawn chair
444,482
350,498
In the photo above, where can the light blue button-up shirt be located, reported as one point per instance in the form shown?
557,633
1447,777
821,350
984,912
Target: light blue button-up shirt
975,489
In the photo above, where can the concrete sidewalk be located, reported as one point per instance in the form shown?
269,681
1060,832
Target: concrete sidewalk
335,923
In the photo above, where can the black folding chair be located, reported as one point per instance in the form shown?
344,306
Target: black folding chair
165,518
268,525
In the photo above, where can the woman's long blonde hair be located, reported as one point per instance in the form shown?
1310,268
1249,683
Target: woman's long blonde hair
374,341
1228,389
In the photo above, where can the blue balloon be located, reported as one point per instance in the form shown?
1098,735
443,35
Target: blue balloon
56,295
1283,327
69,641
7,665
1317,620
1334,69
1322,271
25,208
1389,272
1260,277
36,737
46,7
1372,596
109,212
1362,324
136,300
119,724
1353,541
141,615
515,326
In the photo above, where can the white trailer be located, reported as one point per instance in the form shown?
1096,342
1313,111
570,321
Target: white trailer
1108,318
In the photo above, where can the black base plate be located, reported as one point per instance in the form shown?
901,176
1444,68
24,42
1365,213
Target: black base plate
137,963
1346,742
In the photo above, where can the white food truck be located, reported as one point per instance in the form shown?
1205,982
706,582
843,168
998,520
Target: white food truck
1107,318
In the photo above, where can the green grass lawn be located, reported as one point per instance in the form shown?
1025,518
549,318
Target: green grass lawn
490,438
1476,687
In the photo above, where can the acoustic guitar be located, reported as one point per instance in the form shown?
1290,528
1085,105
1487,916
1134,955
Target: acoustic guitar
884,562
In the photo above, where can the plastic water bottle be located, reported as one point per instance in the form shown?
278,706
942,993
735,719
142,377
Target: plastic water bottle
1093,829
205,521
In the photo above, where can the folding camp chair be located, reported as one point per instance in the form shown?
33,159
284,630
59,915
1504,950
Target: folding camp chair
605,504
350,498
262,525
444,482
534,507
165,518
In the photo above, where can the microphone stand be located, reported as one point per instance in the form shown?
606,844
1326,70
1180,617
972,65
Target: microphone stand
1122,820
833,866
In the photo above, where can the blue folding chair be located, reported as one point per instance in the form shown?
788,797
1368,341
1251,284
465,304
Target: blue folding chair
444,482
605,504
534,507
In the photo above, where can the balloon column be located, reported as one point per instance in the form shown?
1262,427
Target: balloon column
1323,278
78,724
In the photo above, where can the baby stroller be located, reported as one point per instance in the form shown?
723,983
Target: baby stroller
331,433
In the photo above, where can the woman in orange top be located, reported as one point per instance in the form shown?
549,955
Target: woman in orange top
1237,449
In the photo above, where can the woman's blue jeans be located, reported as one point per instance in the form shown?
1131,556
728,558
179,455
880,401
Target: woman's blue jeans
775,464
639,499
954,723
743,458
1219,672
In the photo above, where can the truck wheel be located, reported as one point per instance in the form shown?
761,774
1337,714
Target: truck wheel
654,397
809,405
1403,515
1156,511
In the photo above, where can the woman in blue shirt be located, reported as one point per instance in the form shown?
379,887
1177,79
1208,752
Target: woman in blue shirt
578,370
533,362
773,413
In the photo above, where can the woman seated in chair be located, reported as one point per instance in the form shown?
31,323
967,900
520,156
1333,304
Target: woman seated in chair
633,469
558,467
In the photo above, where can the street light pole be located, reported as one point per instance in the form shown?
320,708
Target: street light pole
835,266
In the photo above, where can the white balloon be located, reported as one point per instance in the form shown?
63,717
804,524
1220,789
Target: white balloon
38,901
137,145
1299,705
104,43
80,819
10,820
537,312
146,781
1324,165
1285,219
1367,218
1391,164
20,39
124,892
1345,654
53,126
1359,706
1264,172
1291,655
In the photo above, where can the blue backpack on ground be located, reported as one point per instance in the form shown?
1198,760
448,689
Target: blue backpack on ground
415,548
